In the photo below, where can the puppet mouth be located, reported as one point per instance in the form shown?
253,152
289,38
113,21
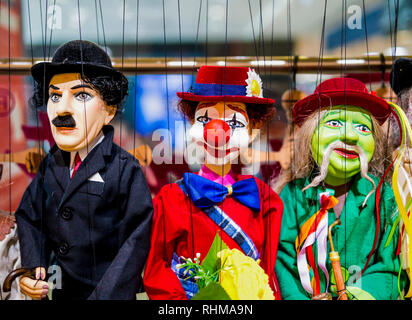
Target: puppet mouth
65,130
218,153
346,153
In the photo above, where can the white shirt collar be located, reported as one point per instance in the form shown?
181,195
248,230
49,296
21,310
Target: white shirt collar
86,150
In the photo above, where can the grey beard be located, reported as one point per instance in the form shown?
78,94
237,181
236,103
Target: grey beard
395,135
325,164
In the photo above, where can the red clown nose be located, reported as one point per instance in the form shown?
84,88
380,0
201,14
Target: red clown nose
216,133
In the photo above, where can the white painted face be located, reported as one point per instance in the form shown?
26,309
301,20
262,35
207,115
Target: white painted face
85,110
230,120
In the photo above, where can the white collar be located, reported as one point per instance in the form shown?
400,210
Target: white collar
86,150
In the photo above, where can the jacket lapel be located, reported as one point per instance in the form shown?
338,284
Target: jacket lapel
59,169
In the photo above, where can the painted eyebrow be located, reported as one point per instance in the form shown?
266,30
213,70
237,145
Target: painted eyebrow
238,109
81,86
332,113
366,117
53,87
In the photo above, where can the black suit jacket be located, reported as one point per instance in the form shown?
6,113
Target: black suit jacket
99,231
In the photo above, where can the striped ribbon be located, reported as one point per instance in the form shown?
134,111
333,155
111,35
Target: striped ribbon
315,229
397,185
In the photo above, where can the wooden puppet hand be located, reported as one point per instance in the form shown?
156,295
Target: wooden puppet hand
33,159
143,153
35,288
407,160
284,155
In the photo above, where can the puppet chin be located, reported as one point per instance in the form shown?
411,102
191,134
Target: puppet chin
67,140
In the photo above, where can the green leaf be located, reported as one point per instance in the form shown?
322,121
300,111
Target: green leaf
211,261
214,291
355,293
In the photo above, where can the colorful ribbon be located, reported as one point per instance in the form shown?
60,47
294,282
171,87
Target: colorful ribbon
397,183
314,229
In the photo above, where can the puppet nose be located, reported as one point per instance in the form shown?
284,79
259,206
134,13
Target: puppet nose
216,133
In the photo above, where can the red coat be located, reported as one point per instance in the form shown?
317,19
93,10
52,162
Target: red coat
179,226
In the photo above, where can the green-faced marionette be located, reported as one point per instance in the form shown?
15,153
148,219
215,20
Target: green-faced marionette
341,157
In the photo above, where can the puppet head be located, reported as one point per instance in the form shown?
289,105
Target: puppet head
82,92
289,98
340,132
225,106
401,83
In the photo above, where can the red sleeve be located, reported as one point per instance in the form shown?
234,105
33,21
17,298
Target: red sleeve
272,210
159,280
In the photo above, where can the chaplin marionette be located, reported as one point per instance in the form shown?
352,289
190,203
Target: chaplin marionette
86,215
340,157
224,107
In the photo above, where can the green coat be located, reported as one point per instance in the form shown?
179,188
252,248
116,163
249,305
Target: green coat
353,239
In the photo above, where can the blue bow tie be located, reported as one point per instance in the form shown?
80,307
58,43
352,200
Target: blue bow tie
205,193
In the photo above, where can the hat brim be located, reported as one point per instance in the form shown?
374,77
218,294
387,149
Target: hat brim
378,107
46,70
254,100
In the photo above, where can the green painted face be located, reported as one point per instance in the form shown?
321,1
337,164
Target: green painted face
353,127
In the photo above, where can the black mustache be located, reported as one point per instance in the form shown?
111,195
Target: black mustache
64,121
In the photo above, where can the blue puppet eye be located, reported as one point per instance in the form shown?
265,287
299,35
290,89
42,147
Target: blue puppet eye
363,128
235,124
83,96
54,97
334,123
203,119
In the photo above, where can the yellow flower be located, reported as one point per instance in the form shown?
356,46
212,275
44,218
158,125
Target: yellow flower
242,277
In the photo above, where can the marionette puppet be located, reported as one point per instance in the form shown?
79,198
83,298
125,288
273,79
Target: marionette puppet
288,99
330,196
86,215
401,83
281,152
10,252
224,107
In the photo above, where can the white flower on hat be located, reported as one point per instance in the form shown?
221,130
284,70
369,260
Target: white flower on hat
254,84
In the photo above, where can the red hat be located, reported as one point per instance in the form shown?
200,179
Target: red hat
341,91
237,84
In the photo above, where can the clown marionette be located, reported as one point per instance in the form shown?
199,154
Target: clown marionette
341,154
225,106
85,218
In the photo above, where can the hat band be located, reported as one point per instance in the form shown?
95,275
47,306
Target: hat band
212,89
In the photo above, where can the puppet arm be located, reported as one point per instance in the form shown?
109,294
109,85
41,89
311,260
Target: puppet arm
286,266
160,282
33,244
122,279
272,215
34,252
380,279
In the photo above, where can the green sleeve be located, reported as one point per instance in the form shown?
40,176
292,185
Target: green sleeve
380,279
286,267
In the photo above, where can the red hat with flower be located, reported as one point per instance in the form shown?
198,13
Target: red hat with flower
236,84
341,91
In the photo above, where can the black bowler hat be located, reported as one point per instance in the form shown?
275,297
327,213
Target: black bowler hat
401,75
77,56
